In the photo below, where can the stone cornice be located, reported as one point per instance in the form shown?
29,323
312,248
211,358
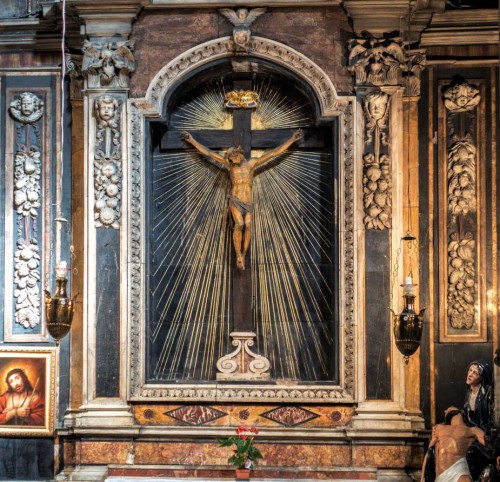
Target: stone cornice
245,3
28,34
461,27
383,16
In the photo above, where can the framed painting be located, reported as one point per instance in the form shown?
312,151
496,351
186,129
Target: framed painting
27,391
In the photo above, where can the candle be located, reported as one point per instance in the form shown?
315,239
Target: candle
408,280
61,269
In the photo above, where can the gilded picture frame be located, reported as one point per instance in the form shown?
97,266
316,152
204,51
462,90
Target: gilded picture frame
27,391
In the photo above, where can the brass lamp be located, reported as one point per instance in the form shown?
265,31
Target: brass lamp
408,324
59,308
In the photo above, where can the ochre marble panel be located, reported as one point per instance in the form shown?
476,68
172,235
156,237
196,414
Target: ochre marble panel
251,416
275,455
288,455
181,453
380,456
104,452
228,473
70,453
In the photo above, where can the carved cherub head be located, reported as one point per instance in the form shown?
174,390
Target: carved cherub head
27,108
106,110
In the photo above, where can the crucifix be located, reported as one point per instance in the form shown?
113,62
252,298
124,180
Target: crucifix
213,144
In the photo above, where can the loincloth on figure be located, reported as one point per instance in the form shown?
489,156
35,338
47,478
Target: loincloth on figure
453,473
243,207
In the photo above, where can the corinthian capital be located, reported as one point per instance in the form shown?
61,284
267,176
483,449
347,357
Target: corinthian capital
377,61
108,64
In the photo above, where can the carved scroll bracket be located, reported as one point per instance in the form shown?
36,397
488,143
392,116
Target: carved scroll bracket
243,364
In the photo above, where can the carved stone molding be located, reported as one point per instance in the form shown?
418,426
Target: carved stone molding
108,64
242,19
377,61
151,107
174,71
243,363
107,162
377,197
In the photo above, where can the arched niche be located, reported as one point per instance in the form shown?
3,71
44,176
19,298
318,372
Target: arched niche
281,64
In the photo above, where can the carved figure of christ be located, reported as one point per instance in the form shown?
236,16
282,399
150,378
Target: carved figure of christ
241,174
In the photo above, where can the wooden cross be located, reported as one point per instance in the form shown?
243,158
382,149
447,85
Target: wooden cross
242,135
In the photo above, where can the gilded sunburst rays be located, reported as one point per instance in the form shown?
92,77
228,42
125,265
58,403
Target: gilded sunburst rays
292,244
205,111
291,251
189,265
276,110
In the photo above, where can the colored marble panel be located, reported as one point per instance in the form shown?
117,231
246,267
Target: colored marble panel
180,453
332,416
70,453
379,456
108,313
104,452
275,455
378,317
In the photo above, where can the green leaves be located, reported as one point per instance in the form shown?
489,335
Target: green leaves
243,447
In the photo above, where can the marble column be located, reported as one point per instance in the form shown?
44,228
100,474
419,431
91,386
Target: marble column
108,61
380,68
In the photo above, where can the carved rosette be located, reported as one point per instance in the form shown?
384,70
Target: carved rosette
461,99
377,61
108,64
377,196
26,280
107,162
243,363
